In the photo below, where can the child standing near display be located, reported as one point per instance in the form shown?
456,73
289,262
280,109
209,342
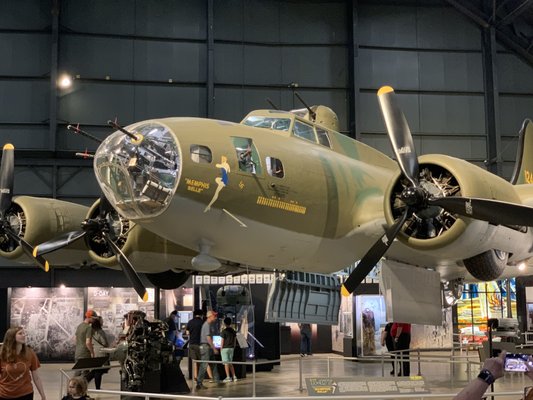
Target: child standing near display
76,389
229,339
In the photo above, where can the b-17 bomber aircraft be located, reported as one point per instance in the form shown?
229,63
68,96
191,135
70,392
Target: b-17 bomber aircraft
286,191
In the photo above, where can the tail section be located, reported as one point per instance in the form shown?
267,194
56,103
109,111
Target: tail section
523,169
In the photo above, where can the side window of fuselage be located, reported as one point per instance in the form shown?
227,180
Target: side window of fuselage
247,155
274,167
201,154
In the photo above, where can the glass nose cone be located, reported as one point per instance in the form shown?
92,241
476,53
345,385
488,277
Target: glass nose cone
139,175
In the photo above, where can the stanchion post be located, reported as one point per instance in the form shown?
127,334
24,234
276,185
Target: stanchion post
452,365
418,356
300,373
253,379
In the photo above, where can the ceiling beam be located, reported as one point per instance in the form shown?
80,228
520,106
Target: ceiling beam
513,14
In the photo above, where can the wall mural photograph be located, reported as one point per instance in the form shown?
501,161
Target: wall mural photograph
50,317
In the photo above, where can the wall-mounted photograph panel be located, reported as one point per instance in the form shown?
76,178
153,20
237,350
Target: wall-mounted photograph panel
50,317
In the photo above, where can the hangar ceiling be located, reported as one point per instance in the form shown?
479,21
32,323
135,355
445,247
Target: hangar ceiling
511,19
136,59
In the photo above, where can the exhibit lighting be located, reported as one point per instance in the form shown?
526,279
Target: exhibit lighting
62,286
522,266
64,81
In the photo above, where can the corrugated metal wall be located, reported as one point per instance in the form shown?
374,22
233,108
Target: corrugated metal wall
142,59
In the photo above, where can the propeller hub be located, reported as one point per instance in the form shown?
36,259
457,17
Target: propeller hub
414,196
94,225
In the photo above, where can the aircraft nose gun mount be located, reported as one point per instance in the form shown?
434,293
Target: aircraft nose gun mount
139,171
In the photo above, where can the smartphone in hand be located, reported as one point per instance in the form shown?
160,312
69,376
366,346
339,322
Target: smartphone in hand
516,362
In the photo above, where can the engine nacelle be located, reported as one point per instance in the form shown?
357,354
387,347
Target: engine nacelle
147,251
434,228
40,219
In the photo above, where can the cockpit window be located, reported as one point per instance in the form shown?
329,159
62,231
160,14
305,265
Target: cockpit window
304,131
201,154
278,124
139,176
323,137
247,155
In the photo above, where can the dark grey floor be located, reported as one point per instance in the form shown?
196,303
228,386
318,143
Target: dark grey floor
284,379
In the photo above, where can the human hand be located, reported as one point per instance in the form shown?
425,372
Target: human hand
495,365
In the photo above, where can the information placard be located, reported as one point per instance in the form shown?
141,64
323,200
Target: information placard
346,386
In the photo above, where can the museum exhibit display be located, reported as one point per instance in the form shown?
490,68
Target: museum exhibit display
50,317
313,170
149,364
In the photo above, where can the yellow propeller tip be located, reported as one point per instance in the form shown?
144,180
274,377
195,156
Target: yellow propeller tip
385,90
46,267
145,297
9,146
344,291
35,251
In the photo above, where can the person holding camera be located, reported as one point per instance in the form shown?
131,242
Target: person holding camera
493,369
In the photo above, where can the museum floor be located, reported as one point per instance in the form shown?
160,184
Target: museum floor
283,380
